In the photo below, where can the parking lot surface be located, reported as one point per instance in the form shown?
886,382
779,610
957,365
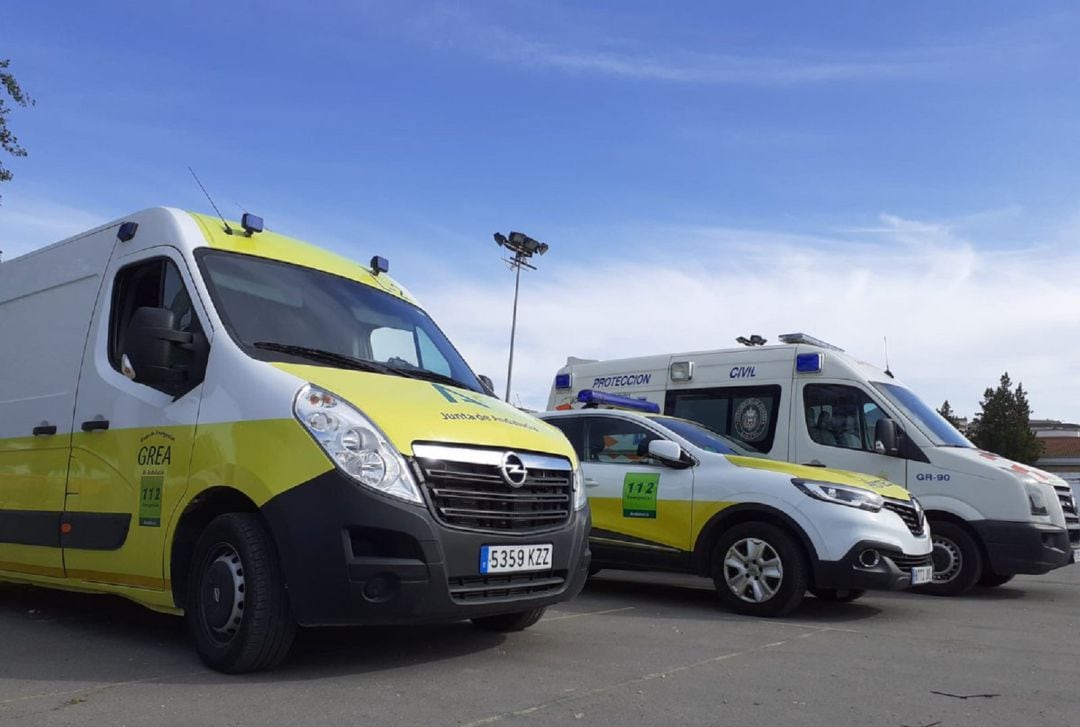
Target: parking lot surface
636,649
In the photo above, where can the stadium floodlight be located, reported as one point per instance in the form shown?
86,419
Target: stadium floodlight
522,248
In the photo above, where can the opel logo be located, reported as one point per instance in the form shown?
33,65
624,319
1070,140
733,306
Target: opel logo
513,470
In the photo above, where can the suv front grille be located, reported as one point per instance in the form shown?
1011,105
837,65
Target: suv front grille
504,587
904,562
914,520
466,489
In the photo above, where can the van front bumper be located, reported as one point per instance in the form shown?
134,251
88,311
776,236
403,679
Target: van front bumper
891,572
1029,548
354,557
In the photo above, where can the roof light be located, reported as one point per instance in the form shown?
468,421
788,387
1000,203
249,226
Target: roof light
808,340
251,224
379,265
602,398
808,363
564,381
127,231
681,370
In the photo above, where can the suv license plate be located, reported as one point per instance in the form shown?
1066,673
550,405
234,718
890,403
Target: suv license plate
922,574
514,558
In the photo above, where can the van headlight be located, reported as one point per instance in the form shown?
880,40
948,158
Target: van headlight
580,498
354,444
1036,498
841,494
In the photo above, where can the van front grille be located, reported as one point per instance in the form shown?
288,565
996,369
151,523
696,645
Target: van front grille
1072,512
505,587
914,519
466,489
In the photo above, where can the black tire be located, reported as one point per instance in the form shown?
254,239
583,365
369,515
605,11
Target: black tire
235,575
958,562
990,579
593,570
507,622
787,584
838,595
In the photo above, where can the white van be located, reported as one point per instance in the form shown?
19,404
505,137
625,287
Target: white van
808,402
220,421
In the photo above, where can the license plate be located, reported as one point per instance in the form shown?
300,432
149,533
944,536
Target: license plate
1076,555
922,574
511,558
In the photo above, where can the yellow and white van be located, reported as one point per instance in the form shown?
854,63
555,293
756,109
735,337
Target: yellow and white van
217,420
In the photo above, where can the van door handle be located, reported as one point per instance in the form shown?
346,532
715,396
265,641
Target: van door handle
44,430
814,463
95,425
590,482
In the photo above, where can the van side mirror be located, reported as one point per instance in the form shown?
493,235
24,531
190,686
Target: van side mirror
886,437
668,452
488,384
153,346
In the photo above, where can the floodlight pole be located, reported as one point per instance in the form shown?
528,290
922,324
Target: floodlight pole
513,324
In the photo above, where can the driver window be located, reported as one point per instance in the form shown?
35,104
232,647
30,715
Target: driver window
840,416
616,441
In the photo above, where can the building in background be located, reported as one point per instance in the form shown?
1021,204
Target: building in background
1061,448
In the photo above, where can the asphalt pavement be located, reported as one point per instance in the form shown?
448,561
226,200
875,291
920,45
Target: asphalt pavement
633,649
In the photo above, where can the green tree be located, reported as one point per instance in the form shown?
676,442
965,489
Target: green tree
8,141
1002,425
949,415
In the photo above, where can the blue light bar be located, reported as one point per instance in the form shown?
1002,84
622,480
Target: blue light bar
602,398
808,363
564,381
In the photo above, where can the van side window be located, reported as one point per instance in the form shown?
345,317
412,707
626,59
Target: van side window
840,416
616,441
151,283
745,413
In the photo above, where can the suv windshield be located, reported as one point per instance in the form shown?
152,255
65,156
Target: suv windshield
703,438
929,422
278,311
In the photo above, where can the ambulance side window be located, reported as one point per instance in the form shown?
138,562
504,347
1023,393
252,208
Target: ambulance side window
745,413
574,429
841,416
152,283
610,440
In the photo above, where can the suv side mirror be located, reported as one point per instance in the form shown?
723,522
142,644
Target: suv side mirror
668,452
487,383
886,437
153,346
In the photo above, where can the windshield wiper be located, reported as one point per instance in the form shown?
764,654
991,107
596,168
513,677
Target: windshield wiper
331,357
417,372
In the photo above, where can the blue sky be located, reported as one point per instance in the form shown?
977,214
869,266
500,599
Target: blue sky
701,170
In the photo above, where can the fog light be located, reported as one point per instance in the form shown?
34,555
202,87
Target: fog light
869,558
381,588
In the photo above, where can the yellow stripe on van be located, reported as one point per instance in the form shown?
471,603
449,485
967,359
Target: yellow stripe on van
824,474
273,246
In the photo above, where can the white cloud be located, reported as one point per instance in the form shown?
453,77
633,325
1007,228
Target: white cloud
956,315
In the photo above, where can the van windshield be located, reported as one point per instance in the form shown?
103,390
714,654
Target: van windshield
278,311
936,427
703,438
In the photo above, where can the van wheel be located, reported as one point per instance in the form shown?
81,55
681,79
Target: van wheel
990,579
507,622
237,608
957,560
838,595
759,570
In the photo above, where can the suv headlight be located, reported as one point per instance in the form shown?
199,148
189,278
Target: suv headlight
841,494
354,444
1037,498
580,498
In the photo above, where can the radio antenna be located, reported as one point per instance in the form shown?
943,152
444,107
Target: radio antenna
888,373
228,230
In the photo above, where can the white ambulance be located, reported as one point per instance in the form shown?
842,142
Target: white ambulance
808,402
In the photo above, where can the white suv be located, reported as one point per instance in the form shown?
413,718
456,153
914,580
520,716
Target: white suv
668,494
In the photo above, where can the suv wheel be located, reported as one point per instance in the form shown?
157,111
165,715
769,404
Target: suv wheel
759,570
